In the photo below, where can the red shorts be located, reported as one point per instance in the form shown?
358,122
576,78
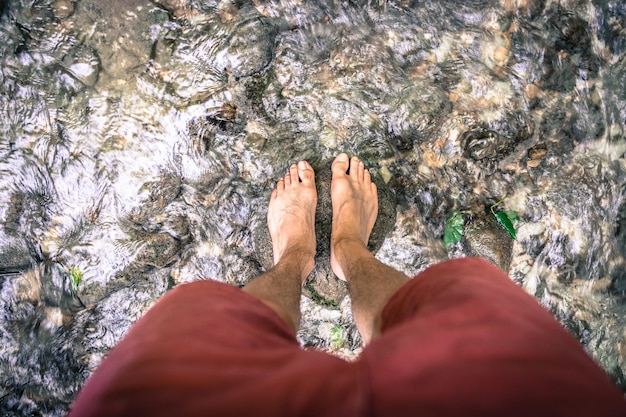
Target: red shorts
460,339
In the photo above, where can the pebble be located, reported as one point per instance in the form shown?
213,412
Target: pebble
533,163
53,318
432,159
29,285
537,152
528,230
424,170
531,91
63,9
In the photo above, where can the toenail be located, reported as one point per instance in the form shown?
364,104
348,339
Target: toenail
302,165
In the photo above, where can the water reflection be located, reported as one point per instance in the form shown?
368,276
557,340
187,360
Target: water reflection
139,142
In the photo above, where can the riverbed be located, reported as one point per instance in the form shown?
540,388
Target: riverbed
140,141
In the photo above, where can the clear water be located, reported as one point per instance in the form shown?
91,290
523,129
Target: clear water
139,142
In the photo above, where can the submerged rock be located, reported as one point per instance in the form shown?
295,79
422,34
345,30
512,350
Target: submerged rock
484,237
250,47
481,143
416,113
63,8
83,64
121,32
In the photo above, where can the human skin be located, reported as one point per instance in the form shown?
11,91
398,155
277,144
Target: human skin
291,222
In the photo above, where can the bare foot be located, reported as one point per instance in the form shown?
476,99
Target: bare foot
291,217
355,207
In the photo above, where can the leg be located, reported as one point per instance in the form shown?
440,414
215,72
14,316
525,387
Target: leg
291,220
209,348
355,206
462,338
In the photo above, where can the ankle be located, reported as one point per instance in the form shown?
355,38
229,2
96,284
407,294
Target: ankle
347,244
297,259
346,253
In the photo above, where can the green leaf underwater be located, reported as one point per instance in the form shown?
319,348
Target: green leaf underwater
76,275
453,229
506,220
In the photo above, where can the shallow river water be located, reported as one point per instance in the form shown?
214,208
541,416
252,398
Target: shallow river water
140,140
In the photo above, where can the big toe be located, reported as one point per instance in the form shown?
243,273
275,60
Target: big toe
306,173
340,164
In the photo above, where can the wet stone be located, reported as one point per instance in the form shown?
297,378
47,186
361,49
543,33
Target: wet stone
618,281
165,190
110,313
538,151
153,214
251,45
322,285
612,30
160,250
38,375
63,8
258,91
173,5
484,237
589,125
121,31
416,112
14,214
189,66
202,133
14,259
559,73
481,143
83,64
571,32
493,142
618,275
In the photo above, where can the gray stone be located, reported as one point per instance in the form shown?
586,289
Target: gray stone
484,237
121,32
84,65
250,47
417,112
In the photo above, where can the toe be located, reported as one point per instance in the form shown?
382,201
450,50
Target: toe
361,171
354,167
306,173
340,164
287,179
367,177
293,174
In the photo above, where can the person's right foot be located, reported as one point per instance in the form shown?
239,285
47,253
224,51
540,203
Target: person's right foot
291,216
355,207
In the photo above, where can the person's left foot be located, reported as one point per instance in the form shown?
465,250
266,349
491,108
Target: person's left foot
291,217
